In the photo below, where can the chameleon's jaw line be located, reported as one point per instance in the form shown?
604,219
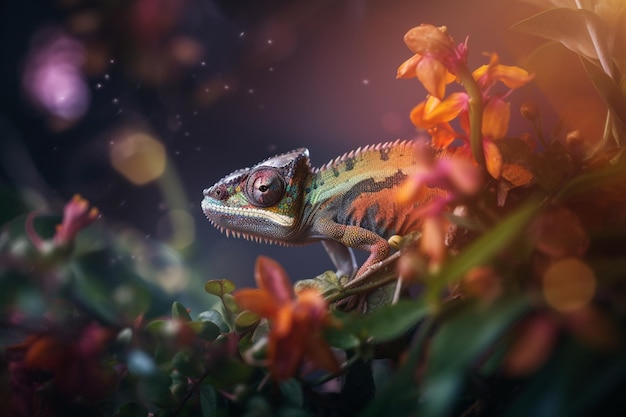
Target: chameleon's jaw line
210,210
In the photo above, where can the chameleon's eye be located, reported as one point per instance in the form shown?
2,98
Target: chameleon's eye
265,187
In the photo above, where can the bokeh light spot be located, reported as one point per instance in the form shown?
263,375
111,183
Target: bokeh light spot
568,285
138,157
177,227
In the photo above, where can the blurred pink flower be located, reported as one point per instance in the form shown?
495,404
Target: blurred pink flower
53,79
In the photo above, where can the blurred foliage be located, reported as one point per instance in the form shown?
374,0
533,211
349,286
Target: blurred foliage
524,315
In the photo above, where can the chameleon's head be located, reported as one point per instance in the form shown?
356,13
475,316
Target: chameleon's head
263,201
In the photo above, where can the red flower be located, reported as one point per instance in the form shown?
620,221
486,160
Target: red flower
296,320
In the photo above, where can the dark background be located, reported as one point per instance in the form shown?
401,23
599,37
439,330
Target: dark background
222,85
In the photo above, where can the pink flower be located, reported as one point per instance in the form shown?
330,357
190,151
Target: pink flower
76,216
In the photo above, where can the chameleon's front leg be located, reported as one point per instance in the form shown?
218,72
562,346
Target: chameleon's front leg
345,237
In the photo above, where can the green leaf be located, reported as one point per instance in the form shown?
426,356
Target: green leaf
292,392
388,322
132,409
483,249
208,401
230,304
216,318
246,319
227,372
156,389
188,364
219,287
206,330
569,27
610,92
468,335
180,312
614,174
573,381
399,396
341,338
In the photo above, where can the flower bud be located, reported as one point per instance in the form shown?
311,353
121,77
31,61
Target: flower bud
431,41
530,111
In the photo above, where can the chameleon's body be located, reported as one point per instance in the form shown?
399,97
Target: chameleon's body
348,203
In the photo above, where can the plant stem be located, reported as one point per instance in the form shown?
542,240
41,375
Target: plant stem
475,112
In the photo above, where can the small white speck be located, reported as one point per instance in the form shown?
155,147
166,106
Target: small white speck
270,42
271,69
203,64
366,81
226,87
186,133
111,61
251,91
98,86
198,148
107,76
115,101
242,34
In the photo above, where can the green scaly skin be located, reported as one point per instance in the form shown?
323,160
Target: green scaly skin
348,203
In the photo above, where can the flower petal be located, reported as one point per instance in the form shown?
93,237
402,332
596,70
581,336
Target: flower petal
433,75
496,116
447,109
258,301
283,319
285,354
320,354
493,159
442,135
271,277
408,68
430,40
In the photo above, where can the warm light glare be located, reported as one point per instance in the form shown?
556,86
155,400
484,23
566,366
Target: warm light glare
139,157
568,285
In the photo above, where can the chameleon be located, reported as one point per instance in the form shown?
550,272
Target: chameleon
350,202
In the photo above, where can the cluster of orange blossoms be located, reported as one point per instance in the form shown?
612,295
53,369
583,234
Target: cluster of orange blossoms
438,62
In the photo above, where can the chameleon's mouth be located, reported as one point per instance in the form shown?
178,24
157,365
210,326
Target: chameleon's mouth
234,217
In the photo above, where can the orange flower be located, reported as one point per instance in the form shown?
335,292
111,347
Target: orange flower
296,321
434,116
431,73
435,59
511,76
